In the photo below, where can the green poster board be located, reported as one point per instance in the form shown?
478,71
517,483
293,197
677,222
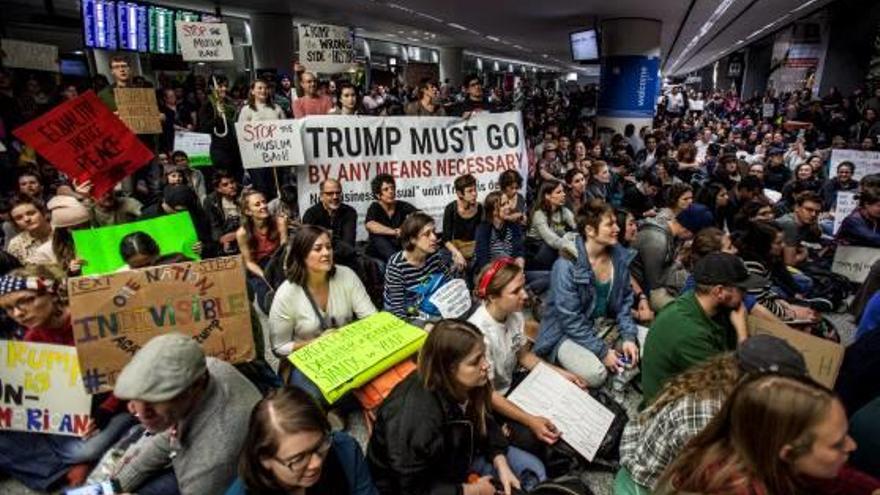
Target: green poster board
100,247
345,359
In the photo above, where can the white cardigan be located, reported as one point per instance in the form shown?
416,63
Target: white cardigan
292,319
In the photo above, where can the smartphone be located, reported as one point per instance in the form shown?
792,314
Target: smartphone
104,488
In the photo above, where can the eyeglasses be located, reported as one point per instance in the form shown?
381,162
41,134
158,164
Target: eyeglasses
298,463
22,304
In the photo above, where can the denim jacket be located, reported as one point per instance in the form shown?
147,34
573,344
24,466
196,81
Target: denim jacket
571,302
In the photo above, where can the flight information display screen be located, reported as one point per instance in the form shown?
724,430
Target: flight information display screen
99,24
161,22
131,20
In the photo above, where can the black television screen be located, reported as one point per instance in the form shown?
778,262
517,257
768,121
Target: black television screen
584,46
99,24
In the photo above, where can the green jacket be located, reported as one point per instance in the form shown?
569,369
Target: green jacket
682,336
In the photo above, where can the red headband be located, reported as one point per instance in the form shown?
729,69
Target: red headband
487,277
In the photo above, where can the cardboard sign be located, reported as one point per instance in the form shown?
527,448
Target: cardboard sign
424,155
204,41
113,316
137,107
846,204
100,247
270,143
326,48
83,139
351,356
866,162
196,145
27,55
855,262
822,356
42,389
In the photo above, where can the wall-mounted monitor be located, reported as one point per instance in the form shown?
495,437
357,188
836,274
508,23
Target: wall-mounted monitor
131,21
584,46
162,34
99,24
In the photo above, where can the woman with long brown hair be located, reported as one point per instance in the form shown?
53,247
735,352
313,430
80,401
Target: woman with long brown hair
259,236
439,419
290,449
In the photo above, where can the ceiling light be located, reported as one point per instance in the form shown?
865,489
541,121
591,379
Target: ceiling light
457,26
545,55
803,6
493,38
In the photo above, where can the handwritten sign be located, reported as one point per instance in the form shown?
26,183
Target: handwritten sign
583,420
356,353
768,110
846,204
453,299
854,262
823,357
270,143
83,139
204,41
866,162
27,55
326,48
42,389
196,145
137,107
100,247
113,316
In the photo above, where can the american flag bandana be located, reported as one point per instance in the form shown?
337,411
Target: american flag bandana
12,283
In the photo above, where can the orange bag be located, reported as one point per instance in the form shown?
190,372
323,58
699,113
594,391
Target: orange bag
373,393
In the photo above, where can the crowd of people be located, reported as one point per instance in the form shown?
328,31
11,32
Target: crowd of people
625,262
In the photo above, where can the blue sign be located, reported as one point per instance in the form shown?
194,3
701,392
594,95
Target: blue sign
629,86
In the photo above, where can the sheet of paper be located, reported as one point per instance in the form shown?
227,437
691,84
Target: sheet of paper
453,299
583,421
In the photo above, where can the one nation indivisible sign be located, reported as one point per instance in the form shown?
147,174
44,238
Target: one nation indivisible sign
83,139
114,315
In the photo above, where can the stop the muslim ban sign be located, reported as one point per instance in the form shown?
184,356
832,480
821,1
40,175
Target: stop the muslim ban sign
83,139
204,41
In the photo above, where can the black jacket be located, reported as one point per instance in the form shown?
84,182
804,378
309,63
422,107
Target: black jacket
423,444
220,223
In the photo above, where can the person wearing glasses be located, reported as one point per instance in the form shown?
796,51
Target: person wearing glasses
474,101
289,448
337,217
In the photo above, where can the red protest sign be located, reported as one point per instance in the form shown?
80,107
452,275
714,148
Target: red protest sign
83,139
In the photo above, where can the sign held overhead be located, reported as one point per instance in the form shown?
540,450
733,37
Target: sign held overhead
204,41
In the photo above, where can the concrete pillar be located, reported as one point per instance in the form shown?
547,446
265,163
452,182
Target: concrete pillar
451,65
272,39
630,79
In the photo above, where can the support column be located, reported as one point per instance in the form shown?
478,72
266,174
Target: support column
451,65
630,79
272,38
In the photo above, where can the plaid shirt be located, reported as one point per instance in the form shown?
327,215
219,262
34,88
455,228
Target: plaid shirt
649,445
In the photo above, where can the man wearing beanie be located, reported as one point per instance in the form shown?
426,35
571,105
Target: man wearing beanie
698,324
195,410
657,244
66,212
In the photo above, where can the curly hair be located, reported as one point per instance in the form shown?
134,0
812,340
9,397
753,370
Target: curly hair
718,375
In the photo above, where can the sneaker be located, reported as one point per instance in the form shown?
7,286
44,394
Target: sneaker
818,303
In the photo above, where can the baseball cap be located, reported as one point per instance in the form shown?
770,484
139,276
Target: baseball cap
696,217
162,369
769,354
726,269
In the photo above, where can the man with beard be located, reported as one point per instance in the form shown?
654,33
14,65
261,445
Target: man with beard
337,217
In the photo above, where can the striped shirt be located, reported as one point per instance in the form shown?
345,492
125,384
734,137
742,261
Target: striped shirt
401,276
500,242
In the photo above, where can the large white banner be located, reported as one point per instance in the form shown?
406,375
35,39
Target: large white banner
204,41
326,48
866,162
424,154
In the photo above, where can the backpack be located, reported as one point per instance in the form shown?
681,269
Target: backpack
564,485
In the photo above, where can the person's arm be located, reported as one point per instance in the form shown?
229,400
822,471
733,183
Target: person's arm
281,225
149,457
282,340
249,263
573,319
375,227
540,222
394,297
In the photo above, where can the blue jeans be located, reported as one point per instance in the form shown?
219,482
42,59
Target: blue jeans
527,468
164,483
538,281
344,404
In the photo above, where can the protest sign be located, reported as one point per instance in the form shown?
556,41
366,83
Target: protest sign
582,420
83,139
114,315
351,356
326,48
768,110
866,162
854,262
99,248
453,299
423,154
27,55
137,107
42,389
270,143
196,145
823,357
846,204
204,41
